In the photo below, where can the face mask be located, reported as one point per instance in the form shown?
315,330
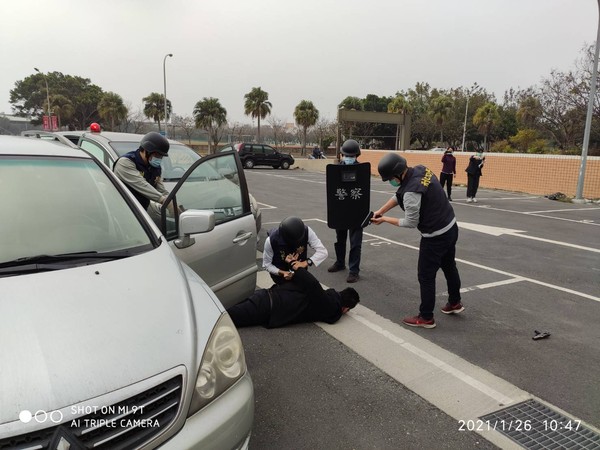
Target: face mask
155,162
349,160
394,182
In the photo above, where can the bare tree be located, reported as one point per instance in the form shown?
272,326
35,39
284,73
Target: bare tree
324,132
187,125
278,128
135,120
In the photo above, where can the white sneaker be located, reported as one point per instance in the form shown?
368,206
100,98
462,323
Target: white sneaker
469,200
474,200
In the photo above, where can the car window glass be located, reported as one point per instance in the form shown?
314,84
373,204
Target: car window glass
269,150
179,160
95,150
213,186
64,206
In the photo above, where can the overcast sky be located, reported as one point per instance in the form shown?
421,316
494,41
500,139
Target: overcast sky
318,50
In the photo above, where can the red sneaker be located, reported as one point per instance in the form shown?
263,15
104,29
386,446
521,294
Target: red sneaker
418,321
453,309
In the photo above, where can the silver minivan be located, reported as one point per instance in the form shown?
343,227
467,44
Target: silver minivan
110,340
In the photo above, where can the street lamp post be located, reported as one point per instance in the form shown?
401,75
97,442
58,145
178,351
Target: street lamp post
47,97
465,126
470,92
588,119
165,86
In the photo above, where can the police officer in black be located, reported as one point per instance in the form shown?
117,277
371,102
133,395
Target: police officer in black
141,172
350,152
426,207
287,245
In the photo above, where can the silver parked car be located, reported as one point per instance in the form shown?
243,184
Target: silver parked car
108,146
109,340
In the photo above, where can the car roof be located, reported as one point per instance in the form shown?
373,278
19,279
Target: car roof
115,136
18,145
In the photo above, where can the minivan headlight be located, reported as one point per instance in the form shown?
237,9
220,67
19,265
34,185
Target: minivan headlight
223,363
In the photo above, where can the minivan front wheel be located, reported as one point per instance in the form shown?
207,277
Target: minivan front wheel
248,164
285,165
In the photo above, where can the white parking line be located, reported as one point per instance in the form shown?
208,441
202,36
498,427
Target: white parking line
485,286
560,210
488,268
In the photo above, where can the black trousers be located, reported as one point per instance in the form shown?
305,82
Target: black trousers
446,178
472,185
255,310
435,253
356,235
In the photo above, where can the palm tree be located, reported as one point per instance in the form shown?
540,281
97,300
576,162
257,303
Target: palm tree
62,108
399,105
258,106
154,107
306,116
440,110
486,117
111,108
210,115
529,112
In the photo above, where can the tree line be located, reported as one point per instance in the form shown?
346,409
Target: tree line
548,118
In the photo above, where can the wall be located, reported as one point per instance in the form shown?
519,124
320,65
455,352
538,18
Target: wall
533,174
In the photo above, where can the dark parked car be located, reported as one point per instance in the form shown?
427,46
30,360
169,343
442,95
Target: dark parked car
261,155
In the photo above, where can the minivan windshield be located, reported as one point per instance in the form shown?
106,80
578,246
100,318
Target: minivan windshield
180,158
64,206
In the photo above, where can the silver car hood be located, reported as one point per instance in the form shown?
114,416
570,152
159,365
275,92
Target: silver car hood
75,334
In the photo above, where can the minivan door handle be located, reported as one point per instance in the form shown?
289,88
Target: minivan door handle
242,237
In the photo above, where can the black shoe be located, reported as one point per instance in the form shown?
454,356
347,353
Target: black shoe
352,278
335,268
449,199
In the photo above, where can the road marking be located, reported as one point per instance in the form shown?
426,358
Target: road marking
490,269
498,231
265,206
560,210
485,286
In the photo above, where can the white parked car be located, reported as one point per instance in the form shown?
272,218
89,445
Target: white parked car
109,340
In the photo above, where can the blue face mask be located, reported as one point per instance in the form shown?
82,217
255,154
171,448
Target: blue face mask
155,162
349,159
394,182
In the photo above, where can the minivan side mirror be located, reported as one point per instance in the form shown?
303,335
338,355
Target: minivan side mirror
193,222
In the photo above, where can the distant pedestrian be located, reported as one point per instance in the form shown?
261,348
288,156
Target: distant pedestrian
473,174
448,170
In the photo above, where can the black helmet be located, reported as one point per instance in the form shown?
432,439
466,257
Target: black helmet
350,148
154,142
391,165
292,230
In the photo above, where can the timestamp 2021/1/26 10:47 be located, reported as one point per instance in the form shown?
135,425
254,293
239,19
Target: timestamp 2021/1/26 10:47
518,425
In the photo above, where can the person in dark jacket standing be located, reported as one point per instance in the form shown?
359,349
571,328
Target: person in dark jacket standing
473,174
141,172
427,208
350,152
448,170
305,300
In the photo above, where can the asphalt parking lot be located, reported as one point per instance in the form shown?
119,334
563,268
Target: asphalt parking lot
526,263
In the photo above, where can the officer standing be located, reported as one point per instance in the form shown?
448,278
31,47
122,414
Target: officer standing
350,152
426,207
287,246
141,172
